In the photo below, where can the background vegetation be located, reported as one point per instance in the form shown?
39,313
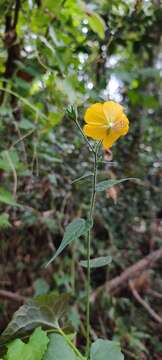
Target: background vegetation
53,54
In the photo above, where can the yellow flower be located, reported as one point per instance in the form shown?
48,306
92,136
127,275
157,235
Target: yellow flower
106,122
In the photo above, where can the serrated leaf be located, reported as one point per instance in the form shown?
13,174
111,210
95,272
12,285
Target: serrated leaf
7,198
72,232
58,349
44,311
107,184
97,24
97,262
33,350
105,350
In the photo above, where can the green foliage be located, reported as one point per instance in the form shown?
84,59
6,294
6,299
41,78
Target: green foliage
107,184
58,349
97,24
78,53
106,350
33,350
97,262
41,287
44,310
73,232
7,198
4,221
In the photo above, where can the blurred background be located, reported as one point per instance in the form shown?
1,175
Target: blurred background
56,53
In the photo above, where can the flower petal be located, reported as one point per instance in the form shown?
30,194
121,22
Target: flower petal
95,115
121,125
95,132
109,139
111,110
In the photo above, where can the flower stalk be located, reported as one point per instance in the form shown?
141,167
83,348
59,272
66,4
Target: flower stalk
91,215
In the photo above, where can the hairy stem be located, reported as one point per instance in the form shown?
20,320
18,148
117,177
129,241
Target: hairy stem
91,214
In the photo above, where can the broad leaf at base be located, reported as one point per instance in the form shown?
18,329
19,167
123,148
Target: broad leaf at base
44,311
106,350
33,350
58,349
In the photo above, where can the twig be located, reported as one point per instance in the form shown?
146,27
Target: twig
12,296
138,297
21,141
154,293
122,280
13,171
17,9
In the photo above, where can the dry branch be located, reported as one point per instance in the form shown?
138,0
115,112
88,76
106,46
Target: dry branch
121,281
12,296
145,304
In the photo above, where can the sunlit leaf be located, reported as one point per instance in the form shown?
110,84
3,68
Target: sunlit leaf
97,24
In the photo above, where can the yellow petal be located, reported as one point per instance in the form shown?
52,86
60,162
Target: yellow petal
95,115
95,132
121,125
111,110
109,139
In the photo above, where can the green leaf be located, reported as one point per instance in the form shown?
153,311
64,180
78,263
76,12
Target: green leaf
107,184
58,349
52,5
85,176
7,198
54,52
97,262
33,350
44,311
105,350
41,287
4,222
97,24
7,158
72,232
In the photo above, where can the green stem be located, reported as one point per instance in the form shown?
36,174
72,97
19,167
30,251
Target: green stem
70,343
81,131
91,213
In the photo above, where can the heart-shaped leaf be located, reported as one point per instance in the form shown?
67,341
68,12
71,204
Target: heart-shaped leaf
107,184
105,350
44,311
97,262
58,349
72,232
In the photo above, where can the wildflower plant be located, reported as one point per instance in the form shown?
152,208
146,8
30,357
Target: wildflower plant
105,123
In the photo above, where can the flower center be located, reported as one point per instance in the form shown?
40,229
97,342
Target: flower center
115,125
